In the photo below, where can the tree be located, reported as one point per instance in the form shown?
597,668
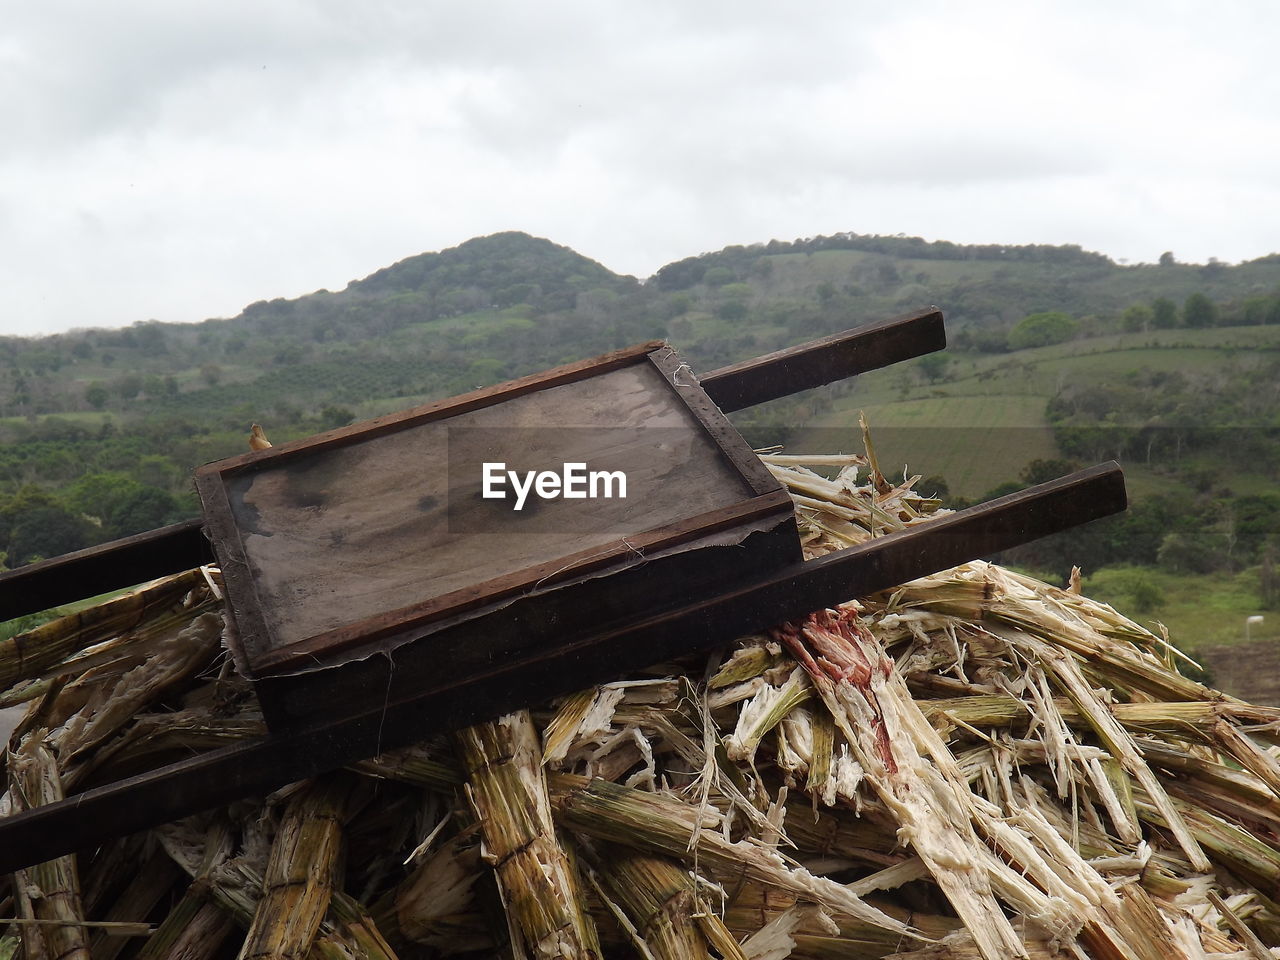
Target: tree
1185,553
1199,311
1268,582
1042,471
1042,329
14,506
935,486
1253,312
149,337
129,386
1165,313
986,340
933,366
143,509
289,354
1137,317
1166,259
1144,593
1129,587
732,310
155,470
46,532
96,393
719,276
100,494
332,416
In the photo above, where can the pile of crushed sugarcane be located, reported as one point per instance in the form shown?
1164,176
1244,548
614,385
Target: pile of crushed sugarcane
975,764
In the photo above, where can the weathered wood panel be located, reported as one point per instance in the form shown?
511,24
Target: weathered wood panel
352,539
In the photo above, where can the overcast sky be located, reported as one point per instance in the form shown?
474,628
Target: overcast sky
177,161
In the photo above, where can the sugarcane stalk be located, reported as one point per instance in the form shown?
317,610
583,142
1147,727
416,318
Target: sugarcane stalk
110,928
660,899
560,732
871,707
33,948
765,711
1248,754
30,654
435,903
358,930
416,765
160,735
746,663
105,703
52,888
1256,948
822,756
754,905
1236,848
153,880
194,929
869,839
1120,745
1155,718
300,874
1236,793
508,792
660,823
961,946
237,886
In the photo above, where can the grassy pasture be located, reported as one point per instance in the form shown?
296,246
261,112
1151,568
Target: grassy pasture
1199,610
975,442
982,424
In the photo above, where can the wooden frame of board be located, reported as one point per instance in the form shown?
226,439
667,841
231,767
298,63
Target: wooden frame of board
262,642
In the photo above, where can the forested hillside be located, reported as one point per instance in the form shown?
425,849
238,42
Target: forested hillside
1057,356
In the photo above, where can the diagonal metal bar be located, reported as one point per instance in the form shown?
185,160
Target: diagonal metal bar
106,567
817,362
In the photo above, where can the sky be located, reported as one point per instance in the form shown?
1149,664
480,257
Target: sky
177,161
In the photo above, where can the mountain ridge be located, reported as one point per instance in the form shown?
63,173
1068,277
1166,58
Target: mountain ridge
537,263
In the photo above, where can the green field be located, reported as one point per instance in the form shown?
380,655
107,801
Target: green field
984,420
1199,611
975,442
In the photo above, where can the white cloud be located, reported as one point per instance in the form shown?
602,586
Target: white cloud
180,161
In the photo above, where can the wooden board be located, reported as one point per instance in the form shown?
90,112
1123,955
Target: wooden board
365,535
